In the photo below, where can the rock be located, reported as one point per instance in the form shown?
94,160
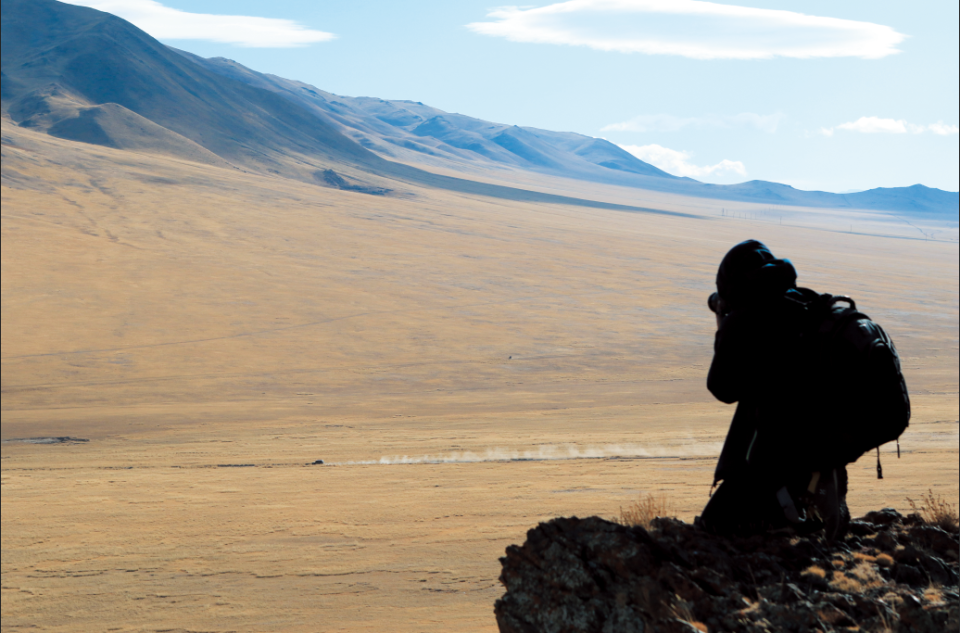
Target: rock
862,528
887,516
590,575
935,539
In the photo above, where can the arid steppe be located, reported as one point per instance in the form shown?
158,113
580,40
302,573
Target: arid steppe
464,366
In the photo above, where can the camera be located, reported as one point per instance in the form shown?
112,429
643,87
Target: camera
717,305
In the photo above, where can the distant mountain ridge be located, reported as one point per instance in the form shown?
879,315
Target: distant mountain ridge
403,128
85,75
407,128
411,129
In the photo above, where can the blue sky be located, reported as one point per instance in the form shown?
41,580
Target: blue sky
819,95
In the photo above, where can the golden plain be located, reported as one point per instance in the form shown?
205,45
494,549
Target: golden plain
463,366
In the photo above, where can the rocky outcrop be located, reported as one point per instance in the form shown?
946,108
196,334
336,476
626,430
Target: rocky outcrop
889,574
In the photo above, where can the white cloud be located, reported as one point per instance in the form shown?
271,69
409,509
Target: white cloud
172,24
671,123
678,162
942,129
690,28
877,125
874,125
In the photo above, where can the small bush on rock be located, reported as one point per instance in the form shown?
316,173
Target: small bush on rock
645,509
935,510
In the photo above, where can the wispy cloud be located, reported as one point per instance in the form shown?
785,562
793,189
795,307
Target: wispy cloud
678,162
877,125
690,28
166,23
943,129
671,123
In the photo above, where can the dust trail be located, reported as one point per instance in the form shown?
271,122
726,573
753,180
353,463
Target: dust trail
548,453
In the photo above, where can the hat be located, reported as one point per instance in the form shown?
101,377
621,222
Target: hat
749,272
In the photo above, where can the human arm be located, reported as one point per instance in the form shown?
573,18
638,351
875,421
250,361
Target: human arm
732,355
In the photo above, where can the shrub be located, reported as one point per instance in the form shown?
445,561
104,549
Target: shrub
645,509
935,510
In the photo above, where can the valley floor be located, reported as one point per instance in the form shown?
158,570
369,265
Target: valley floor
465,367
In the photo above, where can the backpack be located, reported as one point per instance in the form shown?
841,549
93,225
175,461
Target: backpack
864,400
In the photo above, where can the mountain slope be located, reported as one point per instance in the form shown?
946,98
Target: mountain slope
409,129
416,132
89,76
82,57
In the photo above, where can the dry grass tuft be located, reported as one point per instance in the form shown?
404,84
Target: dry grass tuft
845,584
935,510
885,626
863,576
934,593
814,570
884,560
645,509
683,613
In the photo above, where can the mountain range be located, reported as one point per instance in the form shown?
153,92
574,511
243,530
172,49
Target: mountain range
88,76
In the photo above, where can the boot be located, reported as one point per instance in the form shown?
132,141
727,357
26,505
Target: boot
829,502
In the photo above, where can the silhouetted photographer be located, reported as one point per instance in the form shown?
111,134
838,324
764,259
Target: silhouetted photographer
817,384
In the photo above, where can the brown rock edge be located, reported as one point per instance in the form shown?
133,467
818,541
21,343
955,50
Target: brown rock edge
891,573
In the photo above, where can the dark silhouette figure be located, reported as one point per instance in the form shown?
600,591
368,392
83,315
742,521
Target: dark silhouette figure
773,470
